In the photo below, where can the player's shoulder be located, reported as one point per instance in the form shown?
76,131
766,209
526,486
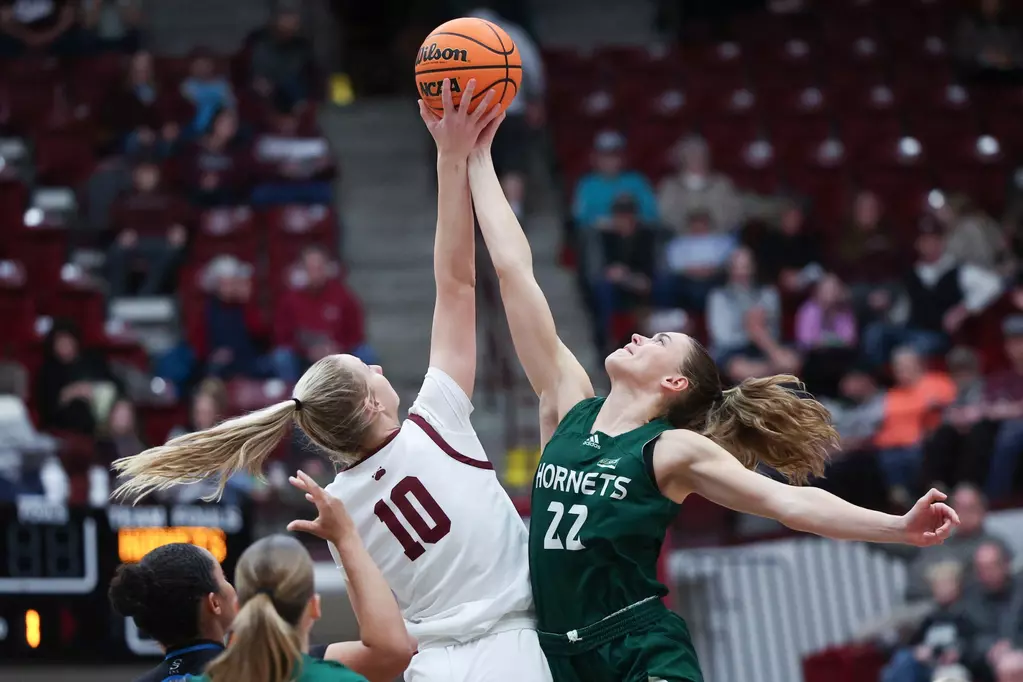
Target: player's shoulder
681,444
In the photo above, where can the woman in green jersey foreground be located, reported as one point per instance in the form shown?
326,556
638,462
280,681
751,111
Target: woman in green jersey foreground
269,639
615,469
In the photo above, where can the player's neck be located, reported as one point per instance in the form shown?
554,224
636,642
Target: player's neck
380,431
625,410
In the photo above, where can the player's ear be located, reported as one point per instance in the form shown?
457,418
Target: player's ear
314,607
213,603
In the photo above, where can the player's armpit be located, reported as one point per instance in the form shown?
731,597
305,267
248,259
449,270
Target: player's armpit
374,665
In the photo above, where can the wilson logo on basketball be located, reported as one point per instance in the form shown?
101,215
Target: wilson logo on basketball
431,53
434,88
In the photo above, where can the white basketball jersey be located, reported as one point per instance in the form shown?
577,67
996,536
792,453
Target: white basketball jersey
435,519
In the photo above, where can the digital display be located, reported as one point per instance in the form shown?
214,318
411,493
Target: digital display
56,563
135,543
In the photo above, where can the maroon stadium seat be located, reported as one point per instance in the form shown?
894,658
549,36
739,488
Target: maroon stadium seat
229,230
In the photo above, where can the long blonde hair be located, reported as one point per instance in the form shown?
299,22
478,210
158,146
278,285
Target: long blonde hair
335,415
770,420
274,579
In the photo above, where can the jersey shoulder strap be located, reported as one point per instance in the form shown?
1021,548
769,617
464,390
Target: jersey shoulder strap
580,418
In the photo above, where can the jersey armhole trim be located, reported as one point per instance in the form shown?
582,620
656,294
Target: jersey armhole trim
648,461
438,439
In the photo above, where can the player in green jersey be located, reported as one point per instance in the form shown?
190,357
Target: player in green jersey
615,469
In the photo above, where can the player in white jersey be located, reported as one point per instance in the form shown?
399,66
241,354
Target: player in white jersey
425,499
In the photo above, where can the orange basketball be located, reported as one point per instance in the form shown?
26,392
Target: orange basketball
463,49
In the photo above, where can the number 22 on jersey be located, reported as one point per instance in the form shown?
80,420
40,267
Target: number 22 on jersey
572,542
405,496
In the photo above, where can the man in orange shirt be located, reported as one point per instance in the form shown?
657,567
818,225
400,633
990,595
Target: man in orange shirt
917,396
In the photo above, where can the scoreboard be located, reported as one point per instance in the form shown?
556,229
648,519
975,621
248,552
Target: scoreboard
56,563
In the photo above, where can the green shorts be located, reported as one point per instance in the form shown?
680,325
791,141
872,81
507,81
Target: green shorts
657,647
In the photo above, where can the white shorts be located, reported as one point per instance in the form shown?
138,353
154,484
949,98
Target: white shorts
511,656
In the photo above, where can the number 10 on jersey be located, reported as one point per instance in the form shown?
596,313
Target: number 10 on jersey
430,531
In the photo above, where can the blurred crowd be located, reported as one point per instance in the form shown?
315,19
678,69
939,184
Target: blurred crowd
917,346
970,626
200,183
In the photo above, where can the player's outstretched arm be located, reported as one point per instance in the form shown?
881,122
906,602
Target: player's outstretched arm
687,462
555,374
453,341
385,647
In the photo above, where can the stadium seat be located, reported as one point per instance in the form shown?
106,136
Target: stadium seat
226,231
64,158
78,298
17,307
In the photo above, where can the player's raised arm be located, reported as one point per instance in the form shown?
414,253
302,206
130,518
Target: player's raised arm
384,648
687,462
453,342
555,374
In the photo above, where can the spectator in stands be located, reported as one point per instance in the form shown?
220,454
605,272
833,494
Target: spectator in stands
525,114
1004,408
120,435
697,187
74,386
938,295
744,323
971,506
952,454
867,255
318,318
226,337
142,116
789,255
216,167
918,395
149,225
945,637
973,237
292,165
207,409
628,256
995,604
857,415
207,90
825,320
598,189
113,24
826,335
695,259
988,41
281,62
38,26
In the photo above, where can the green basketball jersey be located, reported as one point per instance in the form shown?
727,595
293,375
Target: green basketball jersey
316,670
597,522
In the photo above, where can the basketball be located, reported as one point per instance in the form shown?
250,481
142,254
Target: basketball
463,49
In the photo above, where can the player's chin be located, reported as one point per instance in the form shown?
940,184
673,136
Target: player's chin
617,361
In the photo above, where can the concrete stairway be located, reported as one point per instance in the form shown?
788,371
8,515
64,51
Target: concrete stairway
177,26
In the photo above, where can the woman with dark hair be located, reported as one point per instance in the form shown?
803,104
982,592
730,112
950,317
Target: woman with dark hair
74,387
178,594
614,470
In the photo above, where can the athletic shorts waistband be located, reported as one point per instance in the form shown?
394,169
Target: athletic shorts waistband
506,624
612,627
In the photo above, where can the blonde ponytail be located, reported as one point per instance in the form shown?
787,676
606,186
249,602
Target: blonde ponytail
274,579
239,444
263,646
334,415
